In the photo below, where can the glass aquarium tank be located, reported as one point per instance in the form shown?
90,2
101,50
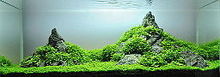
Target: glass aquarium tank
105,38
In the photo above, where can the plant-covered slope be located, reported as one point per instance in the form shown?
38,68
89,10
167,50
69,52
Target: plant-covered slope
49,56
4,62
156,52
212,50
159,48
56,53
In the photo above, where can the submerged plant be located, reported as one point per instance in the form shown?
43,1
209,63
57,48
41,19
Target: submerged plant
211,50
49,56
117,56
4,62
108,51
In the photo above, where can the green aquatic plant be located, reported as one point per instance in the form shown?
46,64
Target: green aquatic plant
211,50
135,45
158,48
49,56
108,51
95,54
4,62
165,57
117,56
153,60
105,66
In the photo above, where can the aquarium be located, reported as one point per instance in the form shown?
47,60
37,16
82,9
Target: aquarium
105,38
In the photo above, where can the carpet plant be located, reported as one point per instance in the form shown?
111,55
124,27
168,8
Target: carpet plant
103,66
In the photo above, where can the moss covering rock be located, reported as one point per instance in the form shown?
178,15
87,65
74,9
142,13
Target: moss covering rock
157,47
56,53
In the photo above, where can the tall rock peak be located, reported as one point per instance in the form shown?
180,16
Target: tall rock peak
56,41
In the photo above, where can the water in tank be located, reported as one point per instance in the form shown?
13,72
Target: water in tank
105,38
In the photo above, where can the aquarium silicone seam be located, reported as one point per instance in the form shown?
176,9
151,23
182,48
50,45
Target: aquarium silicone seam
209,3
10,4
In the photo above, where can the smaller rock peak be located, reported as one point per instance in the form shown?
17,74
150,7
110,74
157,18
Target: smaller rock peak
149,20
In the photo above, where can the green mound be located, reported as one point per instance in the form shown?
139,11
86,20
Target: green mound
138,40
4,62
212,50
48,55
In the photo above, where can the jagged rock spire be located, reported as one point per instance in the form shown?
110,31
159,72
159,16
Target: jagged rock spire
56,41
149,20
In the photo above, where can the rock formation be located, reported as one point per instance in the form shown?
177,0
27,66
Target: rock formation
129,59
191,59
56,41
154,39
53,54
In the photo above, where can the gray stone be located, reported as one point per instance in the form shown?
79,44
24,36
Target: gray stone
42,64
157,48
149,20
55,64
59,63
129,59
192,59
56,41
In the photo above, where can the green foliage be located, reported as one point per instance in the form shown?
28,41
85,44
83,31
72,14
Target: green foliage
211,50
39,57
139,31
71,48
135,41
135,45
153,60
105,66
42,51
4,62
108,51
157,59
58,57
47,55
31,61
77,54
117,56
95,54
